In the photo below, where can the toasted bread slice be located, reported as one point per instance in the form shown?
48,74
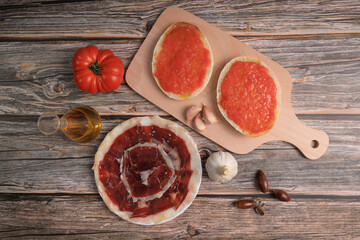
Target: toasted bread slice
249,118
182,73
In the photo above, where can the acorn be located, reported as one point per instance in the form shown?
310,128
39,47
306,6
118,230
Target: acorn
281,195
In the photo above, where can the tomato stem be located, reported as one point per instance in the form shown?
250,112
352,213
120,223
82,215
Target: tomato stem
95,67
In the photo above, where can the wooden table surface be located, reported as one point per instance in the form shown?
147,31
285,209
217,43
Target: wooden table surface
47,187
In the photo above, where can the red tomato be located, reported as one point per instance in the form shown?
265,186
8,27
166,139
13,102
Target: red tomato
97,70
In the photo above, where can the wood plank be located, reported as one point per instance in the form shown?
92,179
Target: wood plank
33,163
21,140
86,217
114,19
33,80
26,3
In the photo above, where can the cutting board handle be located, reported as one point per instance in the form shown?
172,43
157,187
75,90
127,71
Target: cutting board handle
311,142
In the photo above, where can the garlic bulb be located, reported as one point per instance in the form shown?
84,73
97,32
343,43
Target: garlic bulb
221,167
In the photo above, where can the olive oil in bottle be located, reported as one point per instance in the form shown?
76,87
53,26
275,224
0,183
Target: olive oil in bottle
80,124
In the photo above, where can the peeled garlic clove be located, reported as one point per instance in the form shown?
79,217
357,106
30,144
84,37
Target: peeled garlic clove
208,115
221,167
199,123
192,112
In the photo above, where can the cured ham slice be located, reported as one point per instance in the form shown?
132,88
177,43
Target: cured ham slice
148,170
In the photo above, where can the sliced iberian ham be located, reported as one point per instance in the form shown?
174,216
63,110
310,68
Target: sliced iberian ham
148,170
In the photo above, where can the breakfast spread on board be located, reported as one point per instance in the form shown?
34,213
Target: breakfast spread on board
148,170
224,47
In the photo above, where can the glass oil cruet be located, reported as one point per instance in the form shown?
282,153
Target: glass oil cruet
80,124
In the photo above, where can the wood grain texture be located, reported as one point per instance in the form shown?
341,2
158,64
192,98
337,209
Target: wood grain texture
27,158
47,188
86,217
114,19
33,80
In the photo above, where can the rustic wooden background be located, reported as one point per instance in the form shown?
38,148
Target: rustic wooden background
47,188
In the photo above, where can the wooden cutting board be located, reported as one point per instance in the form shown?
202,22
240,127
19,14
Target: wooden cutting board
312,143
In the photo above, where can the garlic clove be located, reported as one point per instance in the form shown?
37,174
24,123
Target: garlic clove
221,167
199,123
192,112
208,115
